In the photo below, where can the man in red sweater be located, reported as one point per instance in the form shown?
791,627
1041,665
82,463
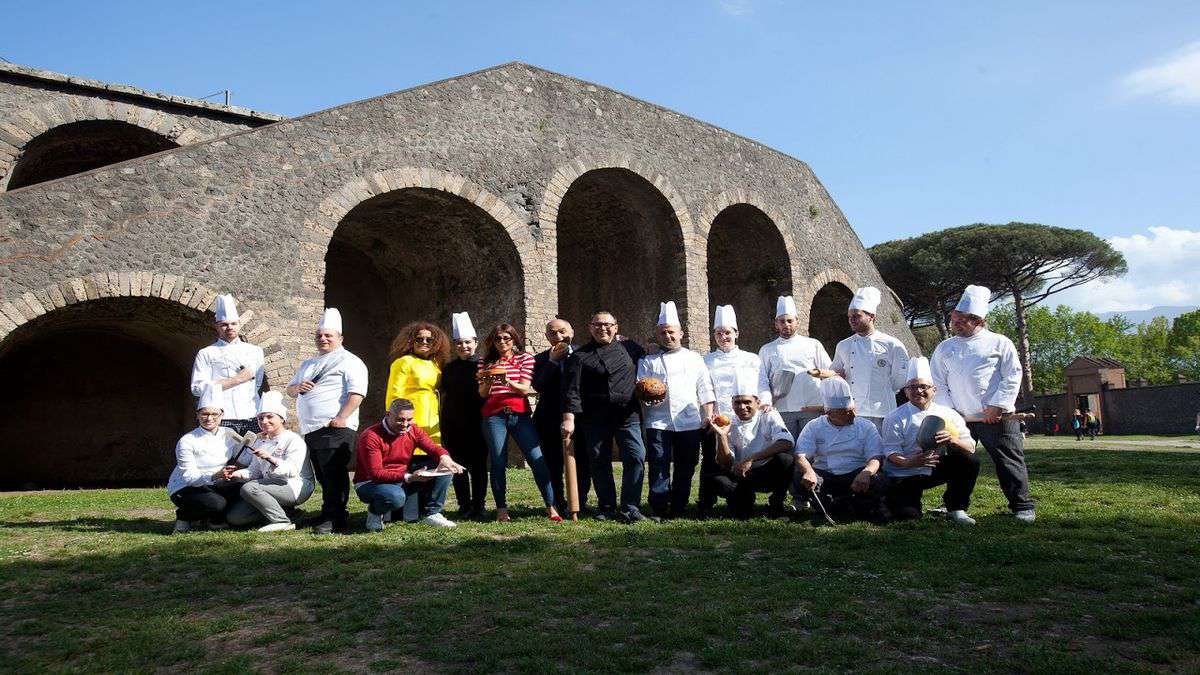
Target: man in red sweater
386,476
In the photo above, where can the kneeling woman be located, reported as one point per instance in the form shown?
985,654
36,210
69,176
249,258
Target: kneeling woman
279,477
506,376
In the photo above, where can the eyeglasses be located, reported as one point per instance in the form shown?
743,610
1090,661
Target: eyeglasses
423,340
603,324
919,387
208,415
504,338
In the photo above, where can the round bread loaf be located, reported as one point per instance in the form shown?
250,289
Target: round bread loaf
650,389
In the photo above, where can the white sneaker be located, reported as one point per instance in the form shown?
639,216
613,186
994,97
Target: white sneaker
438,520
959,516
277,527
939,511
374,522
181,527
1026,516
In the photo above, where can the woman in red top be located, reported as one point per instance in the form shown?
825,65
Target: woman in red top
506,374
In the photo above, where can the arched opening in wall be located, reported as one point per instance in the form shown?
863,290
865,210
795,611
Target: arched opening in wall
620,248
82,146
418,254
102,393
827,320
748,268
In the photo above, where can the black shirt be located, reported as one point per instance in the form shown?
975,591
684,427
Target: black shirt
548,381
599,379
461,403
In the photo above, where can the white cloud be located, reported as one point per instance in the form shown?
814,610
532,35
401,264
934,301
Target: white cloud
736,7
1174,78
1164,269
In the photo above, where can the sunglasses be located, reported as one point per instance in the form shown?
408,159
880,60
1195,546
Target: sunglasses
504,338
423,340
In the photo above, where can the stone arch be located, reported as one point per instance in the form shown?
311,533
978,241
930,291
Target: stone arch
591,207
23,131
749,260
415,244
107,362
824,303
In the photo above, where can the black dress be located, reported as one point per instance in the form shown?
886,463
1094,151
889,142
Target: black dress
462,432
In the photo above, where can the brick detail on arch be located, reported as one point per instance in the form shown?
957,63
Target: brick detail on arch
724,200
26,125
696,302
804,295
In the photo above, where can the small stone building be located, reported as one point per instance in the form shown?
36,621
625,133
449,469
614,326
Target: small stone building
513,193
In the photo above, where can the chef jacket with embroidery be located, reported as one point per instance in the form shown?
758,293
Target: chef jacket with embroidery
758,433
795,355
876,366
341,374
900,430
977,371
198,455
222,360
839,450
688,388
294,469
724,368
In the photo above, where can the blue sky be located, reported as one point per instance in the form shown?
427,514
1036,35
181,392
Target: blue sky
916,116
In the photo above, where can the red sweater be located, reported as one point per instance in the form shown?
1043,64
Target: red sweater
383,457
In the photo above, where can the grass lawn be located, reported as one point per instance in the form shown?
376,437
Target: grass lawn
1106,579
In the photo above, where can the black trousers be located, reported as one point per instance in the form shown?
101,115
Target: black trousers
842,502
550,439
771,475
956,470
709,470
464,439
210,501
1006,446
329,449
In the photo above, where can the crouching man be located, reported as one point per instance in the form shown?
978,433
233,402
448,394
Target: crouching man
753,455
386,475
200,486
948,456
838,457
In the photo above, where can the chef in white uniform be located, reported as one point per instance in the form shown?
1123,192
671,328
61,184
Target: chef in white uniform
199,485
235,365
279,476
977,373
754,453
673,424
873,362
786,380
726,364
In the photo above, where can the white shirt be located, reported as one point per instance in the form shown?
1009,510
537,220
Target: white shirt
839,450
977,371
900,430
341,374
688,388
724,368
198,455
796,355
294,469
222,360
876,366
759,432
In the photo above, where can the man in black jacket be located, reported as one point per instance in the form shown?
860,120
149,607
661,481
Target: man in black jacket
598,387
547,417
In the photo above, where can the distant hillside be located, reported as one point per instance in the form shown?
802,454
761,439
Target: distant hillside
1144,315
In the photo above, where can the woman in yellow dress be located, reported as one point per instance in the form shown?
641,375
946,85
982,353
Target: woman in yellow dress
418,354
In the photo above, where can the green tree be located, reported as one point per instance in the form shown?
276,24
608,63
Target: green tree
1057,337
1184,341
926,277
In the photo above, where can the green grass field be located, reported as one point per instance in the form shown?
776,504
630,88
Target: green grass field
1107,579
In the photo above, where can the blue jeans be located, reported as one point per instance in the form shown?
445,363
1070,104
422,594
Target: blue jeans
598,435
496,430
663,448
382,498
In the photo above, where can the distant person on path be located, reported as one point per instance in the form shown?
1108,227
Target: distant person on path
235,365
873,362
1093,425
199,485
978,374
1077,424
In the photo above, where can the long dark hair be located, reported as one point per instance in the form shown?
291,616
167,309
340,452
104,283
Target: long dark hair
490,353
402,345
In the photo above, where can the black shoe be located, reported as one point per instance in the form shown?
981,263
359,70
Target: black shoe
605,515
703,514
775,511
323,527
631,516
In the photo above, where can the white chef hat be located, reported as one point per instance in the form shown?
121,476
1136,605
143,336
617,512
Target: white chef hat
226,309
745,383
866,299
210,397
331,320
272,402
667,314
461,327
918,369
786,304
835,393
725,318
974,300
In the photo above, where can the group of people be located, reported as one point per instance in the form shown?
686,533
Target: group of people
1085,423
787,421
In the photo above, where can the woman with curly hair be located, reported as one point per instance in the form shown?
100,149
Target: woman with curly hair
418,354
506,380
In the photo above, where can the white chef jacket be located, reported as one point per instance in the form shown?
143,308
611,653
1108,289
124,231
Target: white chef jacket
342,374
757,433
688,388
796,354
294,469
900,430
724,368
876,367
976,371
839,449
198,455
222,359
